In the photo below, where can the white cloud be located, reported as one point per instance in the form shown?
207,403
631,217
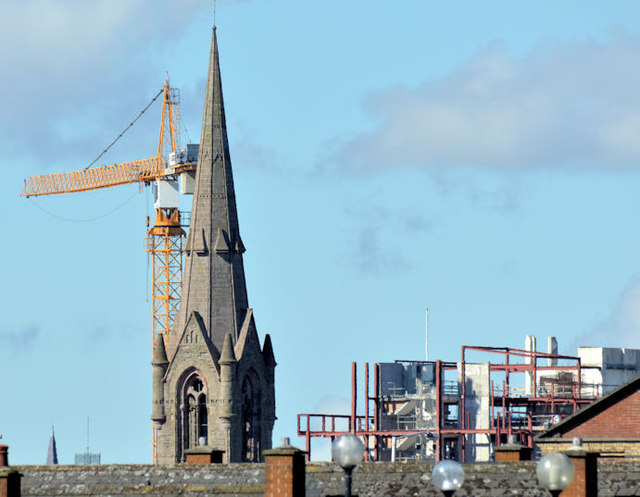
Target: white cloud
62,38
332,404
69,67
622,327
562,105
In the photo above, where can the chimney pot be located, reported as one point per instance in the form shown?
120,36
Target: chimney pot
4,455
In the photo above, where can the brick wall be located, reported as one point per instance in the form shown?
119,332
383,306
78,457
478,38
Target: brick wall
619,448
9,482
620,420
4,486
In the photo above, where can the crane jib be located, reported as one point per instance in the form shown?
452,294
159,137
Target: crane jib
95,178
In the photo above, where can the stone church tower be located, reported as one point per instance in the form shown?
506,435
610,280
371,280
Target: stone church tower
213,384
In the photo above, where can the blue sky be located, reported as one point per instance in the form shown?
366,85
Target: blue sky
478,158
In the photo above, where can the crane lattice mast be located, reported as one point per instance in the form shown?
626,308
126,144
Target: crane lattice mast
164,239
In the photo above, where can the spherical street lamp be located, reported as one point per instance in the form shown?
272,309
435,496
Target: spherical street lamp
448,476
348,452
555,472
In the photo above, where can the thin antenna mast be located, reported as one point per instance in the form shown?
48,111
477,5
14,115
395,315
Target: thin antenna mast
87,457
87,434
426,332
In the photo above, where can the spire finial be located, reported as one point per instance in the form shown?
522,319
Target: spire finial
214,14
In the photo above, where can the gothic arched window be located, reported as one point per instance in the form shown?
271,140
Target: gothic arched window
194,413
251,449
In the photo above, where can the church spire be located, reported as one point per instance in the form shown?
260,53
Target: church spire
213,279
52,453
215,363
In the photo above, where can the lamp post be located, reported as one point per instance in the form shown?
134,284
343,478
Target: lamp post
555,472
348,452
448,476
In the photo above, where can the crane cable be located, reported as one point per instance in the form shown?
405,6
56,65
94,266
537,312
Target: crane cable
125,130
85,220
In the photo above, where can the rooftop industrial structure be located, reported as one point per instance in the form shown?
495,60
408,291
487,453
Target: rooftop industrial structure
433,410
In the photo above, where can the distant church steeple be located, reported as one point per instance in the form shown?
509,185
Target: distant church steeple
216,387
52,453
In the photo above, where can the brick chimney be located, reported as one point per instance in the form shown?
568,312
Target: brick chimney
284,471
512,451
9,478
585,479
203,455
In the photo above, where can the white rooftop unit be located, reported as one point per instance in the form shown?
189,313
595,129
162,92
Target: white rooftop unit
609,367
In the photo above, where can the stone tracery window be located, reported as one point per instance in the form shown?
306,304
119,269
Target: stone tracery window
195,416
251,445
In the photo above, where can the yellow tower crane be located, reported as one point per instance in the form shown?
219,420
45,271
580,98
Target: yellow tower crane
164,239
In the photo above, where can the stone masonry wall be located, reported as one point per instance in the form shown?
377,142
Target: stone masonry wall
481,480
242,480
414,479
620,478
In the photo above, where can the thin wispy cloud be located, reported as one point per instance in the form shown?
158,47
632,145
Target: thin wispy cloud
19,340
248,152
563,105
621,328
329,404
370,253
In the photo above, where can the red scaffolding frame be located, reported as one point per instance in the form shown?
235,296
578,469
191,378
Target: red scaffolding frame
562,398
